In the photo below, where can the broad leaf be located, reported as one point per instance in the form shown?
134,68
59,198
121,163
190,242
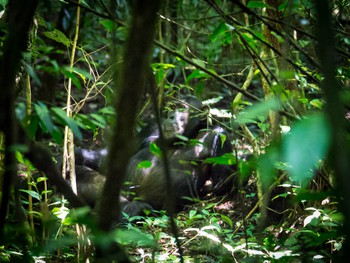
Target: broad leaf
226,159
62,115
144,164
258,109
154,149
305,146
44,115
58,36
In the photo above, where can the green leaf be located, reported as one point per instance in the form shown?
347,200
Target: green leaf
41,179
134,236
33,126
283,5
3,3
257,4
154,149
307,143
144,164
226,159
57,135
107,111
19,157
227,220
197,74
109,25
157,66
32,72
181,137
85,122
100,120
317,103
83,74
70,74
57,36
44,115
192,213
62,115
222,138
261,108
32,193
218,31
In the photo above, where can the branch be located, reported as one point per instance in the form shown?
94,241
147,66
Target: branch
41,159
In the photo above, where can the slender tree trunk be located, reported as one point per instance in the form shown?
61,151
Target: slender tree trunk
20,15
129,90
339,153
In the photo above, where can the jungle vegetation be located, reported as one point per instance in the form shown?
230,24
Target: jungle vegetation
83,73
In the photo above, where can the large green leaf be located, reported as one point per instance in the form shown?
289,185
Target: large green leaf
305,146
44,115
257,110
69,73
58,36
226,159
155,149
219,31
62,115
32,193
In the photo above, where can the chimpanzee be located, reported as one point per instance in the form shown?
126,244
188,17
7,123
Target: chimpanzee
145,187
89,184
90,158
188,167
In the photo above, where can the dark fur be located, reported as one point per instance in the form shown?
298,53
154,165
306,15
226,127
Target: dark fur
189,171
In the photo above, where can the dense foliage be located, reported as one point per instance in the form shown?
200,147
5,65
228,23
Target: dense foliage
274,73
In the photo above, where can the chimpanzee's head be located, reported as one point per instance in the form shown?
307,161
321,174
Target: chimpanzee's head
183,118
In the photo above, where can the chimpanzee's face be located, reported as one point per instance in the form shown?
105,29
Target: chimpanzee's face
175,123
181,120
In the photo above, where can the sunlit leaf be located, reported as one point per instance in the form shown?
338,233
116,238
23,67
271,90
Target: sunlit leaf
156,66
154,149
305,145
144,164
107,111
58,36
316,215
134,236
227,220
257,110
83,74
226,159
317,103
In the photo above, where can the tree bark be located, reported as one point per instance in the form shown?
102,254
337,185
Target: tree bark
20,15
339,153
129,92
